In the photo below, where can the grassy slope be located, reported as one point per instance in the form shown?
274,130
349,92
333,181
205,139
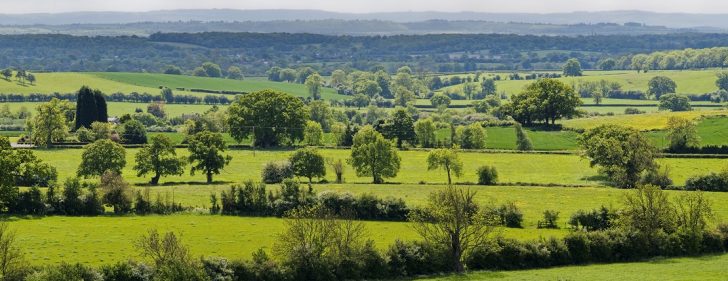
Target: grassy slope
68,82
512,168
689,268
121,108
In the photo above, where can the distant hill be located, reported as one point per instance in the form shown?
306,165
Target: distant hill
671,20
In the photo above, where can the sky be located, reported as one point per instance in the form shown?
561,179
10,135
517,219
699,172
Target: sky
365,6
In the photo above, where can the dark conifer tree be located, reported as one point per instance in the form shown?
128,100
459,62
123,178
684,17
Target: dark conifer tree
101,108
86,109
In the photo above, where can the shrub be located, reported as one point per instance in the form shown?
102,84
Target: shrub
487,175
632,110
415,258
550,219
130,271
66,272
710,182
85,135
658,177
578,244
277,171
593,220
508,215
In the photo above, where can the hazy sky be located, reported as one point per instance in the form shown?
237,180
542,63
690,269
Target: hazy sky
363,6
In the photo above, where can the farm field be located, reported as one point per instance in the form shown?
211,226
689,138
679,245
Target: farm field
111,82
659,269
121,108
512,168
643,122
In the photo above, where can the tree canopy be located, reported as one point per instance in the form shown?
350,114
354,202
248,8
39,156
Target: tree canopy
101,156
159,158
373,155
206,156
544,100
269,116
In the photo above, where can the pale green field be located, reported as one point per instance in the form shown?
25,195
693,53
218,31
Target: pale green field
643,122
111,82
121,108
512,168
677,269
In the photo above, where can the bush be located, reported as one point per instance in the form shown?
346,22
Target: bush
85,135
127,271
578,244
550,219
66,272
277,171
508,215
415,258
487,175
710,182
593,220
658,177
632,110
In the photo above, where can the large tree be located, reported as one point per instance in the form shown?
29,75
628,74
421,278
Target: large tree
49,124
622,153
159,158
400,127
206,150
314,83
546,100
682,133
661,85
722,81
572,67
373,155
452,220
308,163
101,156
425,131
269,116
9,164
674,102
90,107
446,159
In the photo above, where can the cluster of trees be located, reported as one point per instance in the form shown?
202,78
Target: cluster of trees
22,76
670,60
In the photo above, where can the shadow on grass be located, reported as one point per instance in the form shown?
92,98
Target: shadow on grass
178,183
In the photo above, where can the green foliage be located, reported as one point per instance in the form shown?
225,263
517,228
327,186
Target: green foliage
277,171
50,124
682,134
710,182
508,215
572,67
8,173
425,132
622,153
661,85
471,136
313,134
488,87
308,163
261,114
212,70
372,155
400,127
648,210
487,175
90,107
206,150
722,81
321,112
133,132
446,159
314,83
101,156
544,100
523,142
117,192
440,101
32,171
159,158
173,70
674,102
234,72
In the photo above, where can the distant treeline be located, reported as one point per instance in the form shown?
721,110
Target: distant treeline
435,52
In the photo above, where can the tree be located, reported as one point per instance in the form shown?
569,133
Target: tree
308,163
101,156
675,102
156,109
452,220
367,87
288,75
360,100
9,163
268,116
159,158
206,154
303,73
648,211
117,192
167,95
425,131
682,133
199,72
469,90
313,135
7,73
102,112
607,64
523,142
471,136
661,85
448,160
403,96
212,70
234,72
49,124
372,155
31,78
11,258
546,99
338,77
440,101
488,87
133,132
722,81
622,153
173,70
400,127
321,113
314,83
572,67
86,108
597,97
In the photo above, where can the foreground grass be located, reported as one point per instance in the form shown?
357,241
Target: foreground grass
512,168
689,268
104,240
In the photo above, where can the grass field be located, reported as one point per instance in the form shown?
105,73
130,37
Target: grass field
108,82
688,81
121,108
644,122
512,168
659,269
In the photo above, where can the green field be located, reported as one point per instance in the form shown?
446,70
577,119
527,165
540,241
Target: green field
690,268
112,82
512,168
121,108
643,122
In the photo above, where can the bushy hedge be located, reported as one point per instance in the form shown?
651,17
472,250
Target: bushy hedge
276,171
710,182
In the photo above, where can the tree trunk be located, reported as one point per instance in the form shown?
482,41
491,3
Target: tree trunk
155,179
209,177
456,253
378,179
449,181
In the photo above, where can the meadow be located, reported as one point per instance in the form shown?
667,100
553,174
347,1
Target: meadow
659,269
121,108
112,82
